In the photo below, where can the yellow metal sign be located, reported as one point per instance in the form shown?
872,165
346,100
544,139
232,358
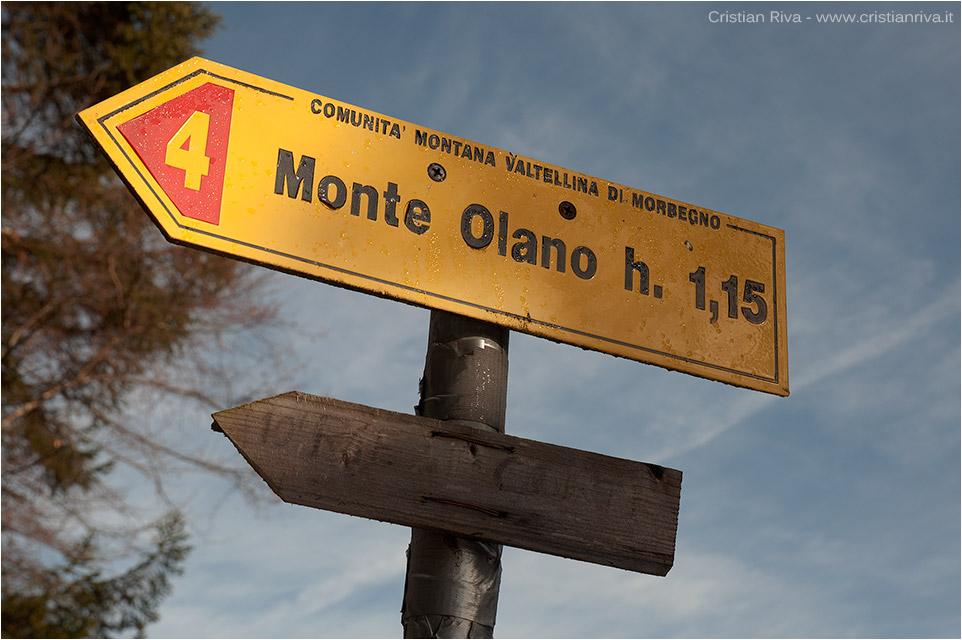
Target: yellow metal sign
237,164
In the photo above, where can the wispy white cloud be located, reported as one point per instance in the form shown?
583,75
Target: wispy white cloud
706,594
888,335
295,575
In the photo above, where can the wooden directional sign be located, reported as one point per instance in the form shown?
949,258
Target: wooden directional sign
293,180
426,473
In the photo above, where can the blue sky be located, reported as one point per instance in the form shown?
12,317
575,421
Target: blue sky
834,512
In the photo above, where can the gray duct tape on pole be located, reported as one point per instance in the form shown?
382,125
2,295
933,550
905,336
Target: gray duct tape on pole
452,584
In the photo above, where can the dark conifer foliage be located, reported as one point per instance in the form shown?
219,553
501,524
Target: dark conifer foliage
96,306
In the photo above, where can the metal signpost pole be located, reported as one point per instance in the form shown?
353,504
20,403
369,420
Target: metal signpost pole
451,587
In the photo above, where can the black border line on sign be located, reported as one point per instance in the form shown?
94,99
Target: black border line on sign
522,319
774,288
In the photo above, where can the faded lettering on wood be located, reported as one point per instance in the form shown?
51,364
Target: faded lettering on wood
420,472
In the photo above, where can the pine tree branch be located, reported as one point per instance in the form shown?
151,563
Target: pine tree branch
31,322
84,376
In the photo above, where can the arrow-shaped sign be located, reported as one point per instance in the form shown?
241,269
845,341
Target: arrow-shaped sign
419,472
244,166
